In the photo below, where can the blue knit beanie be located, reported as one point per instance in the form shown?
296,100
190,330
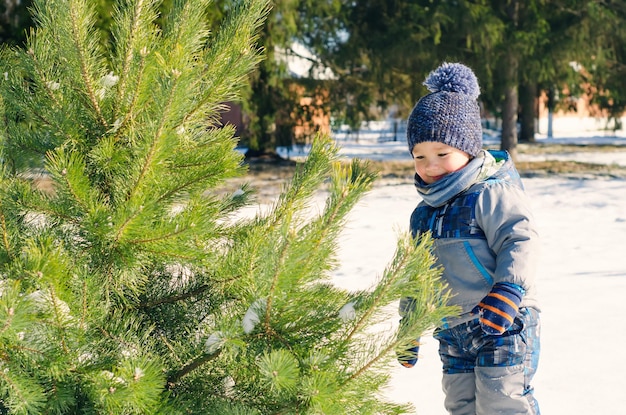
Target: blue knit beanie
450,113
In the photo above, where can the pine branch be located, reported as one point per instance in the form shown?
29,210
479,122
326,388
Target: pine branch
43,120
12,386
44,82
382,288
46,210
5,235
82,57
41,353
25,397
83,314
73,192
190,367
161,237
8,321
129,113
147,161
307,178
225,68
135,20
168,254
173,351
304,182
408,259
382,353
175,298
58,319
268,308
183,186
134,32
348,185
118,339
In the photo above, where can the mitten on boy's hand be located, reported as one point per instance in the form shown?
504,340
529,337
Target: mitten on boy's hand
498,309
408,357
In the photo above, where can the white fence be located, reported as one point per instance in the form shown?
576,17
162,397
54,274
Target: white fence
373,131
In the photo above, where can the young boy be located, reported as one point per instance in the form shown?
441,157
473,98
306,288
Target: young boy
473,204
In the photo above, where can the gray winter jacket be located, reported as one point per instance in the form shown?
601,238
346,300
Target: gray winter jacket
483,231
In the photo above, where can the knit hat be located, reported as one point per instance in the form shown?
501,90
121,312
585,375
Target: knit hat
450,113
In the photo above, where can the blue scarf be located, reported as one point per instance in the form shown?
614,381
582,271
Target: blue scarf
438,193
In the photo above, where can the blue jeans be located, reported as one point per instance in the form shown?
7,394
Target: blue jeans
485,374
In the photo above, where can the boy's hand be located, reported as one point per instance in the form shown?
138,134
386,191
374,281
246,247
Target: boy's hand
498,309
408,357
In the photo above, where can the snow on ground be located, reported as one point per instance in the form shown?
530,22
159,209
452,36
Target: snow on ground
581,278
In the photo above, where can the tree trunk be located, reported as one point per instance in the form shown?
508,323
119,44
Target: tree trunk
511,103
528,113
510,107
551,104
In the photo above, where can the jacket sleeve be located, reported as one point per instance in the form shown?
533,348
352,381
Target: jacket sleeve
503,213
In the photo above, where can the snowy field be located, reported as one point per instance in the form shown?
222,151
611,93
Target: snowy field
581,278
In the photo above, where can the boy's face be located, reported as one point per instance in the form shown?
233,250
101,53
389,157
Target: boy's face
434,160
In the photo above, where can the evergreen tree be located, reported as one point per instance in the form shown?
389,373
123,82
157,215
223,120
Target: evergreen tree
601,70
130,281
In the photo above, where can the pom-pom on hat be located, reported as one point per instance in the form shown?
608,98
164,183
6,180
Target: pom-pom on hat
450,113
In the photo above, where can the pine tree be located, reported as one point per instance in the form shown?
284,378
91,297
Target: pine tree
130,281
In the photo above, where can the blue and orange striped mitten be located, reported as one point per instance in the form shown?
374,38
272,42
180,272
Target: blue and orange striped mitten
498,309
